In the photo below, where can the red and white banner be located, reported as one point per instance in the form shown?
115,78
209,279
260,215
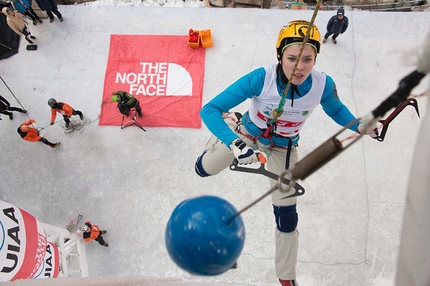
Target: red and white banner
162,72
22,243
51,263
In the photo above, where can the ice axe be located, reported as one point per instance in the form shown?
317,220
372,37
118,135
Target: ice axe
411,101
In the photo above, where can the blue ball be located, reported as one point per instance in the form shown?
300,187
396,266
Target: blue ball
201,236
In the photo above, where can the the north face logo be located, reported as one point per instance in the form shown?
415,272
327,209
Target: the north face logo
162,72
158,79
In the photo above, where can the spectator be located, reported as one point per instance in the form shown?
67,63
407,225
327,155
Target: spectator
24,7
28,131
336,25
50,7
17,23
5,106
93,232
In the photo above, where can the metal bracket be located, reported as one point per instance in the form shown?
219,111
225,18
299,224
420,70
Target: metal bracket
299,190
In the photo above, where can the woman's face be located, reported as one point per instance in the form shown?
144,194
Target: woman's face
306,63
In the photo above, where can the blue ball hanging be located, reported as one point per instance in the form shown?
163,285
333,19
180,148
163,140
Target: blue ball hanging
202,237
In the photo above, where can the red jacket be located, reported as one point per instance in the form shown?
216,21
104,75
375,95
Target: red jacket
32,135
62,108
93,234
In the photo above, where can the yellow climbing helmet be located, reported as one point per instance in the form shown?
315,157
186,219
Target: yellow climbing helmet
295,32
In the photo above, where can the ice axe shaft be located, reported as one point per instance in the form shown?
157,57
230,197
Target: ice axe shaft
278,186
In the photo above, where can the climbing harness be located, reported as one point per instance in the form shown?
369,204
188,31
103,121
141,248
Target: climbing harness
334,146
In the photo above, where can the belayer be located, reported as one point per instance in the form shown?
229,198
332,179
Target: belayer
29,132
92,232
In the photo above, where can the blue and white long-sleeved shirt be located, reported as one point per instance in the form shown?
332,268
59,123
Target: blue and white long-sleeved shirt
264,87
22,5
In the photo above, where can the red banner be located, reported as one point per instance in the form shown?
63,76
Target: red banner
22,243
51,263
162,72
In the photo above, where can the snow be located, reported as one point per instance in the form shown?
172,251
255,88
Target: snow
129,181
148,3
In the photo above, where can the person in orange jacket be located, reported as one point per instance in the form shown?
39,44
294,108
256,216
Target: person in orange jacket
28,131
66,110
93,232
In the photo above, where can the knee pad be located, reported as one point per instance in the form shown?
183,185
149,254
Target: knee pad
198,167
286,218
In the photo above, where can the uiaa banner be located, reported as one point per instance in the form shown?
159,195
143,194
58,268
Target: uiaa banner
22,244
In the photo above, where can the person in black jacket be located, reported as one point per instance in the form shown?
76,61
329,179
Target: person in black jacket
51,8
5,106
126,102
336,25
24,7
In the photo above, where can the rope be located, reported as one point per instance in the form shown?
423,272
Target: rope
278,112
14,96
75,125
